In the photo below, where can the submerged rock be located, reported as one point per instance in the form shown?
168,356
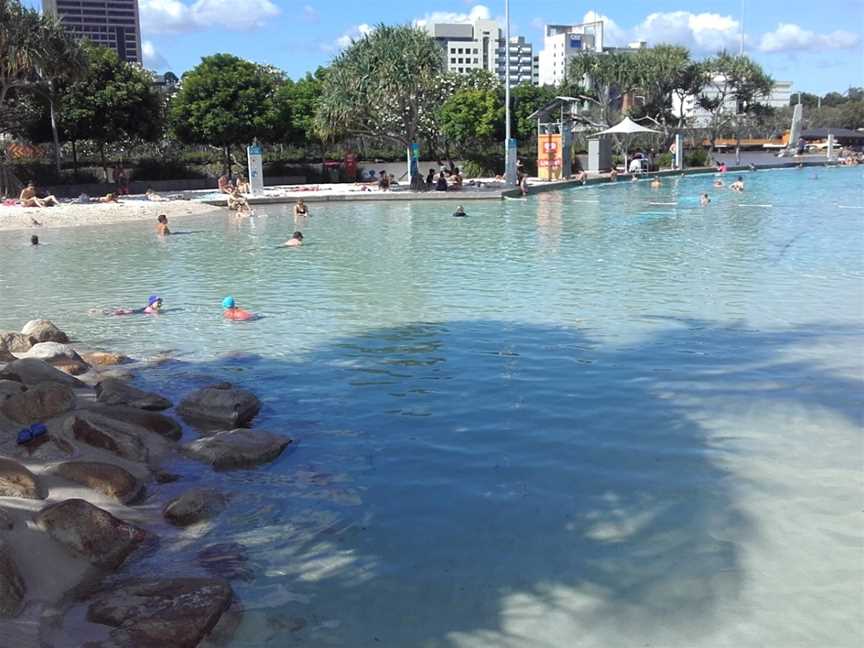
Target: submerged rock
32,371
44,401
43,330
105,358
221,404
227,560
16,342
113,391
108,479
109,434
164,426
193,506
7,523
12,588
239,448
10,388
158,613
17,481
61,356
90,532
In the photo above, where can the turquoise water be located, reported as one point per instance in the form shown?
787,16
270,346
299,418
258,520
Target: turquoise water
604,416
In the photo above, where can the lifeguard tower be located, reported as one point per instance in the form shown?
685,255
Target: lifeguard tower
555,138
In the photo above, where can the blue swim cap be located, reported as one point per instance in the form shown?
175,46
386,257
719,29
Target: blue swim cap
152,299
228,302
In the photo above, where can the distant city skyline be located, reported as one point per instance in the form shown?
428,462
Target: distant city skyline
818,46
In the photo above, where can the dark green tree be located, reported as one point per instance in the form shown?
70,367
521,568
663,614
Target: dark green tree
473,119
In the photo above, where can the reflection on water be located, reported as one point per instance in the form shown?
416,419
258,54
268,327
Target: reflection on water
580,416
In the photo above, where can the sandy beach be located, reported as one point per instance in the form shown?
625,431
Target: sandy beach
69,215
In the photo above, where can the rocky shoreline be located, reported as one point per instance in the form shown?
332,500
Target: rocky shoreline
81,455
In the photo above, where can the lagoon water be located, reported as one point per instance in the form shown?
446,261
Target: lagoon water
599,417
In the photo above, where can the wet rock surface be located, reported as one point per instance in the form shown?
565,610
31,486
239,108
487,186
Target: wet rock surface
44,401
43,330
32,371
160,424
157,613
90,532
105,358
108,479
10,388
221,404
115,436
238,448
16,342
6,521
113,391
61,356
12,587
17,481
227,560
193,506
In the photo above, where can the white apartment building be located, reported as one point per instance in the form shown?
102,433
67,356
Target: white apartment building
779,97
480,46
561,43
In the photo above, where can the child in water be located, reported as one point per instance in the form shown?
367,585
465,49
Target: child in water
233,312
704,200
162,225
153,307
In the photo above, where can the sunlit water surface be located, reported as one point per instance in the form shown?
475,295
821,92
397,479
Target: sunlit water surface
599,417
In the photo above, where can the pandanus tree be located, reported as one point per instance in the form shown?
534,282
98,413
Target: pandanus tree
386,85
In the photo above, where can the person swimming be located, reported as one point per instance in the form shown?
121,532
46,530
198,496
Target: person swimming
34,240
153,307
233,312
296,240
704,200
718,183
460,212
655,183
738,185
162,225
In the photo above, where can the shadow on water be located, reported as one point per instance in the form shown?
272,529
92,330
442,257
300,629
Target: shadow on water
478,483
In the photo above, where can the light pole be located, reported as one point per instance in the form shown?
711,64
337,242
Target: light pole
509,145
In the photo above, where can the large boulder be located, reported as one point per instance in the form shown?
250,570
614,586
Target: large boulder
17,481
239,448
16,342
118,437
164,426
156,613
193,506
113,391
90,532
7,522
61,356
44,331
11,584
221,404
104,358
32,371
10,388
5,353
39,403
108,479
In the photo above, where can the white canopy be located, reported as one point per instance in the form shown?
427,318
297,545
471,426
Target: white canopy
627,128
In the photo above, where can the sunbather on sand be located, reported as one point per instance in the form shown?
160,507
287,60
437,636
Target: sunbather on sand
28,198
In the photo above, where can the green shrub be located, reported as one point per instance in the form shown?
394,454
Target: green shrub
150,169
483,166
697,157
45,174
665,160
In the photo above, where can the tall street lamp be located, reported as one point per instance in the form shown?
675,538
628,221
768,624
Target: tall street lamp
509,143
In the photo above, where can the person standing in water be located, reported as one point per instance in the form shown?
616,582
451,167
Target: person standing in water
300,209
34,240
162,225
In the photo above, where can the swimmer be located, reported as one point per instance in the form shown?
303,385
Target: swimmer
460,212
109,198
655,183
704,200
300,209
153,307
738,185
233,312
162,225
296,240
613,175
34,240
718,183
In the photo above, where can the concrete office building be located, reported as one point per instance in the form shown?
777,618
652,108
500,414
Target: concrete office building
481,46
779,97
109,23
561,43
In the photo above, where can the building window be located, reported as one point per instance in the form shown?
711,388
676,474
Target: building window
452,61
476,61
461,60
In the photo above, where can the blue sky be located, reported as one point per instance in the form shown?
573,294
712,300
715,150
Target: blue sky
819,45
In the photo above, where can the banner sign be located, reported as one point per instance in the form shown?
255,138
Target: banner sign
550,156
256,169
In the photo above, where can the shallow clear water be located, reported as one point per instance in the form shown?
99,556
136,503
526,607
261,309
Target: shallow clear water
599,417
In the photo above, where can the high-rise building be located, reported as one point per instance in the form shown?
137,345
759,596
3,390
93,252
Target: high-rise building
481,46
561,43
109,23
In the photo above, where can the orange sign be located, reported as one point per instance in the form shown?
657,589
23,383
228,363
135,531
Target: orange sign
550,160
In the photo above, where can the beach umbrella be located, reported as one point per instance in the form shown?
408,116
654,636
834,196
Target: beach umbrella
627,129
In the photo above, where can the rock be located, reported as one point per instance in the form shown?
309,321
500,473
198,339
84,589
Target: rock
157,613
221,404
105,358
61,356
17,481
39,403
123,439
44,331
90,532
239,448
159,424
6,354
227,560
108,479
165,477
113,391
11,584
7,523
10,388
193,506
32,371
16,342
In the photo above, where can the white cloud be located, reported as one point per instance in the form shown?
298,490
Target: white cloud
612,33
161,16
477,12
153,60
702,33
791,37
352,34
310,14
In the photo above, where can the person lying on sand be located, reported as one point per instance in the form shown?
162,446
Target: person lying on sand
109,198
28,198
162,225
